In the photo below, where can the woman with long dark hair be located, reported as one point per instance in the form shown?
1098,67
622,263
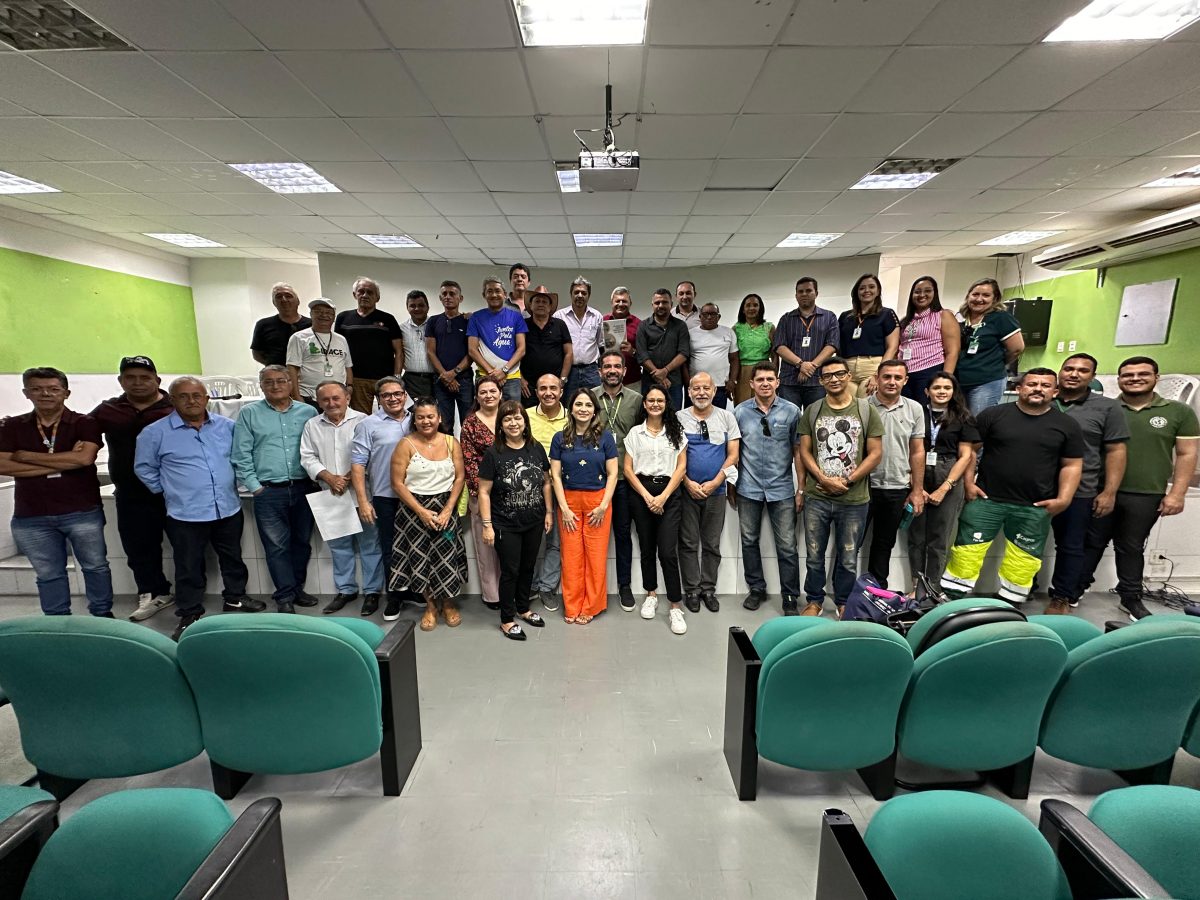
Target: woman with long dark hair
929,338
952,434
754,338
514,504
655,462
870,334
478,433
991,340
583,471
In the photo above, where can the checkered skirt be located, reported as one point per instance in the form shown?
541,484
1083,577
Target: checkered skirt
425,560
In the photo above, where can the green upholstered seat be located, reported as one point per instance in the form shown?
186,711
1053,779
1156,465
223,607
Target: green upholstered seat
282,694
14,798
371,633
976,699
828,696
1158,825
916,635
1191,737
131,845
772,631
954,845
1072,629
97,698
1125,698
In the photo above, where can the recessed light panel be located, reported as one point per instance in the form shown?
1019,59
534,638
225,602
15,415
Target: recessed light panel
288,178
15,184
599,240
183,240
389,241
1016,238
53,25
902,174
1127,20
581,23
1186,178
799,239
568,181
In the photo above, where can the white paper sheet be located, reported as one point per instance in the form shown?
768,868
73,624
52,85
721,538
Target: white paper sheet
335,516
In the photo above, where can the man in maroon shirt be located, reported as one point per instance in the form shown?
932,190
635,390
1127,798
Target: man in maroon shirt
51,452
620,310
141,515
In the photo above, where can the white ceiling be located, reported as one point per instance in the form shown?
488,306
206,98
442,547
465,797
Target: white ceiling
752,117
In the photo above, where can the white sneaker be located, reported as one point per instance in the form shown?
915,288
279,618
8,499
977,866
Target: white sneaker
678,622
148,605
650,606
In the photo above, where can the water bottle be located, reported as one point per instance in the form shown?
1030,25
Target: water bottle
907,518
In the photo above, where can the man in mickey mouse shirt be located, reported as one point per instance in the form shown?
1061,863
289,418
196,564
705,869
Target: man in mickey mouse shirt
841,442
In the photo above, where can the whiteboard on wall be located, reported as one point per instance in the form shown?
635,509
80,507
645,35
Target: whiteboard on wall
1145,316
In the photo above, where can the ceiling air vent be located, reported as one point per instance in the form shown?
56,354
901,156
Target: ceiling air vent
1151,234
53,25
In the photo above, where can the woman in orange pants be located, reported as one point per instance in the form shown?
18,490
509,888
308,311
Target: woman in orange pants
583,470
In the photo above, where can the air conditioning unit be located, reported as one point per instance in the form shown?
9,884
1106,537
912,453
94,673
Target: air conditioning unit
1167,233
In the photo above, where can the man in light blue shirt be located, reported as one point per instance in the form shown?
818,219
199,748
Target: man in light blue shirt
185,458
266,457
770,451
375,438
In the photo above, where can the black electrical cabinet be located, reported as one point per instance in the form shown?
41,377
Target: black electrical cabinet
1034,316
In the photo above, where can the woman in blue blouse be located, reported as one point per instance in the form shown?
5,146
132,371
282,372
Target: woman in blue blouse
870,333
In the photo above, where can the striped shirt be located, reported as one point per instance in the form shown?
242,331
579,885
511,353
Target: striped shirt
921,341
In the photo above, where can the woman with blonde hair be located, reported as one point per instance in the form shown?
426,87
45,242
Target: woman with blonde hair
991,342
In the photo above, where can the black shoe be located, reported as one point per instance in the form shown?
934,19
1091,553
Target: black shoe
692,602
338,602
754,600
1134,607
303,598
243,604
514,634
184,622
412,597
287,607
370,604
494,607
711,602
627,602
104,615
391,612
790,608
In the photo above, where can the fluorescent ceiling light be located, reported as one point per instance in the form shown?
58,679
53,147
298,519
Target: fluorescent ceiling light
599,240
902,174
568,181
389,241
183,240
581,23
1127,20
1185,178
15,184
798,239
288,178
1014,238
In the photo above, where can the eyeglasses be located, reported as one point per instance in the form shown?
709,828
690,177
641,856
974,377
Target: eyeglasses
392,395
766,427
51,391
834,376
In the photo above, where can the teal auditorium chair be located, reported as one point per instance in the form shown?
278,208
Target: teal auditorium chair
1155,825
281,695
977,694
956,845
28,817
1191,738
147,844
1124,700
96,698
1072,629
815,694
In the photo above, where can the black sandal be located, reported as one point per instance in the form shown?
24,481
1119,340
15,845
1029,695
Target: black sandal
533,619
494,607
513,634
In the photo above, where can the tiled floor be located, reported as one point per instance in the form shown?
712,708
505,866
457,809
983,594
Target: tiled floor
585,762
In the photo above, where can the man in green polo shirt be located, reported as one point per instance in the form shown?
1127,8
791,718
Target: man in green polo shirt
1162,448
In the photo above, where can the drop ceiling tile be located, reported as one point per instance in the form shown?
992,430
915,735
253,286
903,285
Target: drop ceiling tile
751,241
213,177
135,138
735,255
721,202
464,204
442,242
920,79
537,224
421,224
957,135
1146,199
316,140
134,81
694,239
813,79
831,222
362,224
335,204
599,204
774,136
137,176
1143,133
820,23
43,91
597,255
517,176
897,242
520,203
1187,101
303,224
570,81
538,242
399,204
649,239
827,174
205,204
674,174
172,24
510,242
1188,146
662,224
792,203
11,109
227,77
1001,199
436,24
131,204
714,224
1051,133
1044,74
781,225
37,139
980,22
475,83
440,177
340,79
977,172
931,200
682,137
749,174
288,25
408,139
76,204
1065,200
596,224
229,140
365,177
510,138
685,81
779,254
857,134
1060,172
1136,172
705,23
1163,72
662,203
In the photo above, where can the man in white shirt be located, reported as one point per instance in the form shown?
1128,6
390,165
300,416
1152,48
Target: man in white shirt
587,337
715,351
685,308
318,353
418,371
325,455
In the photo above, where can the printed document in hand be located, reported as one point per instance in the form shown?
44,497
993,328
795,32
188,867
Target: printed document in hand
335,516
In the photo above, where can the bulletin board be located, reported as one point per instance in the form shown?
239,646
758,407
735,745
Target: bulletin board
1145,316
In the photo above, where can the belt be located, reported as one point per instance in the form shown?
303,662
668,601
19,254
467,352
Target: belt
654,479
295,482
590,365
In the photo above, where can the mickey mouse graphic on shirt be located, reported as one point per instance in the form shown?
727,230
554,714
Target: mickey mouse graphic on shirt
837,447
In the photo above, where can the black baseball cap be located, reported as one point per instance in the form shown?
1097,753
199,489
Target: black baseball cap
137,362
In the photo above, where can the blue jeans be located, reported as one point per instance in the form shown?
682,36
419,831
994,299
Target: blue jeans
983,396
285,525
43,539
582,376
342,551
1070,534
847,522
511,389
783,527
447,400
549,570
622,521
802,394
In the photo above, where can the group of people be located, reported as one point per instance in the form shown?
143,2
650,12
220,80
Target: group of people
572,433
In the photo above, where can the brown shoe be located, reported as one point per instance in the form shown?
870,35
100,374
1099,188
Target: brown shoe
451,614
1058,607
429,620
813,609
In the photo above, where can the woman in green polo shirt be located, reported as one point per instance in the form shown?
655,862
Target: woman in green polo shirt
991,342
754,337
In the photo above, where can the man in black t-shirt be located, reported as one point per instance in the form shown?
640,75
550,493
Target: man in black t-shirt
1030,467
269,343
376,343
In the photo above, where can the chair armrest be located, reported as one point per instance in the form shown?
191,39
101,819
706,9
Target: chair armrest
397,656
22,836
741,705
846,870
247,863
1095,864
4,701
394,640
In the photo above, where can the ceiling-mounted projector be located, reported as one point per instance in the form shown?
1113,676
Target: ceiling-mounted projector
608,170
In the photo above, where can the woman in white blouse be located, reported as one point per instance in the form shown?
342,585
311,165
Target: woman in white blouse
655,460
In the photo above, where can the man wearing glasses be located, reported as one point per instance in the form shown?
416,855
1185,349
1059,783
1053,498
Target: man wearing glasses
841,443
770,450
375,437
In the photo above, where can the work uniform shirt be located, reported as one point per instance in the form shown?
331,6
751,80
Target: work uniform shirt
63,493
1102,423
1152,435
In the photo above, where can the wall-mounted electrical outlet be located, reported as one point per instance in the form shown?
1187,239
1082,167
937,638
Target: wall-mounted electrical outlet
1071,347
1157,567
1060,346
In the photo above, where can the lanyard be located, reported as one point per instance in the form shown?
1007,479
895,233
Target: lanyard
48,442
808,325
613,411
325,348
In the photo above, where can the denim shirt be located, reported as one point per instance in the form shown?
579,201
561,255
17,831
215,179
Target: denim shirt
766,464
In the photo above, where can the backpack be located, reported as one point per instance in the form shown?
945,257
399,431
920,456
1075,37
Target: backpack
868,602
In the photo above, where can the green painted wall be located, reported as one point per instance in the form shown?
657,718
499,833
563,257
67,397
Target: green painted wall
83,319
1088,315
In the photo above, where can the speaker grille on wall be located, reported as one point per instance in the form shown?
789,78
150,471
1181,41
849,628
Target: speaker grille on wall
1034,317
